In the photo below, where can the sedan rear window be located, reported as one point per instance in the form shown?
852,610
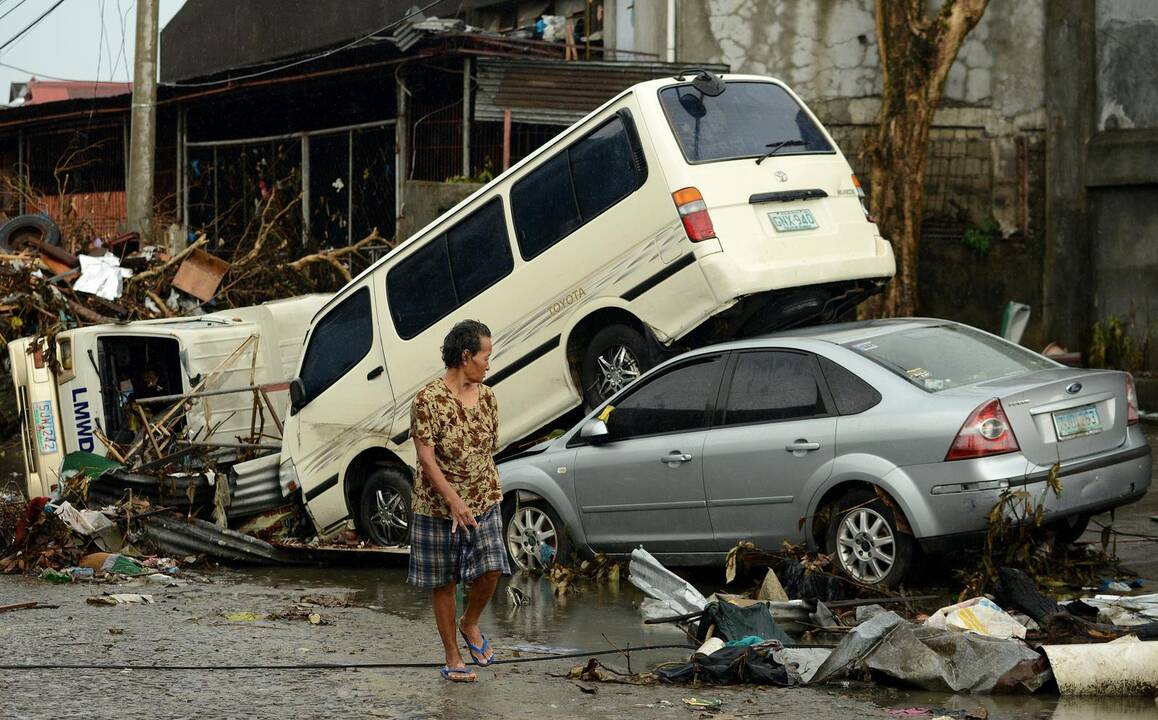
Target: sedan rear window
746,121
943,357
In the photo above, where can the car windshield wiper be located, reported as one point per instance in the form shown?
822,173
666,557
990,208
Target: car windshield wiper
776,146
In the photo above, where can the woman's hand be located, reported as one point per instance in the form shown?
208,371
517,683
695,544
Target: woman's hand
460,514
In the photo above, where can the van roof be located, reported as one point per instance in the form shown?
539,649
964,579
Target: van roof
562,137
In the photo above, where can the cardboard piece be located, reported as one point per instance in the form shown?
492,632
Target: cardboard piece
200,275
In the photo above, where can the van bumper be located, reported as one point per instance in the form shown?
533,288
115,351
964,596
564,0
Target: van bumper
730,280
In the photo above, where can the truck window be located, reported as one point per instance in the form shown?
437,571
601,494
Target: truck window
576,186
450,270
746,121
339,342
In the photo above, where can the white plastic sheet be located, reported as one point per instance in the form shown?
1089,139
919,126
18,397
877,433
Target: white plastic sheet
978,615
101,276
650,576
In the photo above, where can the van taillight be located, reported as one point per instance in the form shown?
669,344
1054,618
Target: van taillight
694,213
1132,417
863,198
986,432
38,356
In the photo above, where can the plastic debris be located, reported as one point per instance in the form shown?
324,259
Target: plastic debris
101,276
650,576
771,589
703,704
978,615
935,659
240,616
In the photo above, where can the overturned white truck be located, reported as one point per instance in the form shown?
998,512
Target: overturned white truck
74,395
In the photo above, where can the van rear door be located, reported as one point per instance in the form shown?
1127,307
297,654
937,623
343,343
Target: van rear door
776,187
40,431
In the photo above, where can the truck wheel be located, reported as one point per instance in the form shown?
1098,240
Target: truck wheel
534,535
864,540
615,357
384,510
25,229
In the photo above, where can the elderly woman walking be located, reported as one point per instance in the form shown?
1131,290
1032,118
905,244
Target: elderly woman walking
456,526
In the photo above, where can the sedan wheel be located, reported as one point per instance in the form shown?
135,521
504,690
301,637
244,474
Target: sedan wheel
534,537
866,545
864,540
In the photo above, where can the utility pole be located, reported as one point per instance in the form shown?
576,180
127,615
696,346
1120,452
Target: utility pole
143,132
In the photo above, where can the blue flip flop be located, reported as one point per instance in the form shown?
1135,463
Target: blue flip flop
478,654
463,674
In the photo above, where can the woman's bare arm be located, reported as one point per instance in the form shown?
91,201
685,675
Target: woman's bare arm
460,514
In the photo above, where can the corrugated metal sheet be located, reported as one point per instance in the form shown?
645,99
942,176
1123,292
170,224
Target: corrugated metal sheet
554,92
176,537
255,487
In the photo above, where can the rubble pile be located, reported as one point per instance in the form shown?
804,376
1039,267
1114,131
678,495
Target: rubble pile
46,286
815,628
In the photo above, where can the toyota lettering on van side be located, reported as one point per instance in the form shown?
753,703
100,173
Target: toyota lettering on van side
83,420
566,301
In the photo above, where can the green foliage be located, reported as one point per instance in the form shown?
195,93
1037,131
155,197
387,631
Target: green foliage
482,177
1113,345
981,238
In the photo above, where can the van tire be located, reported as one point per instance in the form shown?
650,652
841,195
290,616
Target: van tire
384,507
864,506
616,355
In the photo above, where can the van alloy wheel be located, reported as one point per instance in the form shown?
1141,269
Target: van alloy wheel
866,544
528,529
618,367
390,516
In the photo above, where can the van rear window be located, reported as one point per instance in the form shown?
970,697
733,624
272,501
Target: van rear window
745,121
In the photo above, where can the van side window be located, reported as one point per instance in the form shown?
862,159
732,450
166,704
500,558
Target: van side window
339,342
450,270
576,186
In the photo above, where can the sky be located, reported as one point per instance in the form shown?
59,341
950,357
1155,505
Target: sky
72,42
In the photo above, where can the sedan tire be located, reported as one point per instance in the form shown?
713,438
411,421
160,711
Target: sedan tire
384,509
864,541
534,535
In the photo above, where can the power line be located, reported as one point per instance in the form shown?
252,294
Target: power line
311,58
31,25
39,75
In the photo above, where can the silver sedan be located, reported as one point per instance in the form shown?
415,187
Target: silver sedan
867,440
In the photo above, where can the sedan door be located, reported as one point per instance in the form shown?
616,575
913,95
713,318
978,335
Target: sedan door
646,486
775,431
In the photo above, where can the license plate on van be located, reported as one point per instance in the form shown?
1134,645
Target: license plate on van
1077,422
790,220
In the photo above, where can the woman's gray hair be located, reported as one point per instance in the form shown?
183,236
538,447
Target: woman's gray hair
465,337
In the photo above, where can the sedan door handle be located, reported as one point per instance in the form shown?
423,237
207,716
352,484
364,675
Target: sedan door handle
802,446
675,458
375,372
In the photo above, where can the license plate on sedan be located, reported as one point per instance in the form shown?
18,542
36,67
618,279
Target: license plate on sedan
1077,422
790,220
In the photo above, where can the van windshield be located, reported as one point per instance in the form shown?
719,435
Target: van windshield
745,121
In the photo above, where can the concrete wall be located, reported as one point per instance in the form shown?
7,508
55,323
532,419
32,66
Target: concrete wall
425,201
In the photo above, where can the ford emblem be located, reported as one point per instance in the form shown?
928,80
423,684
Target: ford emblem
1074,388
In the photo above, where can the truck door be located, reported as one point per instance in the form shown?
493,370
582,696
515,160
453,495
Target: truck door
347,400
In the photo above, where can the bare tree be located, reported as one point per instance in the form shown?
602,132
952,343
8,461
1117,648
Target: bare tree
917,50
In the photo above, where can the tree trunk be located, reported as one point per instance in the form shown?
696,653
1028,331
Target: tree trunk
916,51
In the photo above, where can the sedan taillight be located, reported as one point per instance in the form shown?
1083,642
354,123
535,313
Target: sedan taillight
694,214
986,432
1131,401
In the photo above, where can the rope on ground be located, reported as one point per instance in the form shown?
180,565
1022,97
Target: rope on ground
1122,533
329,666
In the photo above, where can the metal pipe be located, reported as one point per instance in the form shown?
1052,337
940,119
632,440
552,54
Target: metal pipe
180,164
467,64
288,136
349,187
184,115
21,166
401,157
305,189
506,138
671,31
211,393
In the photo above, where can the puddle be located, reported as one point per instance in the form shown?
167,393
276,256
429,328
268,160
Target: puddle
1034,707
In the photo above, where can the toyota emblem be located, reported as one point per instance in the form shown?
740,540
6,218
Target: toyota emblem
1074,388
781,176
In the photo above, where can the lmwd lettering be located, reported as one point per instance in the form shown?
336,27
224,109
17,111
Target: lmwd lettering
83,420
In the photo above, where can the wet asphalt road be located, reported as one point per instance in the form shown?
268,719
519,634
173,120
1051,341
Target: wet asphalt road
390,622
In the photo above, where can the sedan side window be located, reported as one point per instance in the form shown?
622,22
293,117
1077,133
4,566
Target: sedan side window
677,401
769,386
851,394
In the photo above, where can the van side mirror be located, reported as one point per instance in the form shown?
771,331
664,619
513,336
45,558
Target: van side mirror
297,391
594,432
